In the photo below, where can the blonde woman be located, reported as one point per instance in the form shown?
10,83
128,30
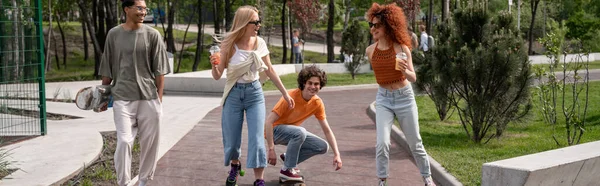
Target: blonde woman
245,55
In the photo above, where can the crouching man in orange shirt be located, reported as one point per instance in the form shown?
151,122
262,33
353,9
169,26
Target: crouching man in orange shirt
282,126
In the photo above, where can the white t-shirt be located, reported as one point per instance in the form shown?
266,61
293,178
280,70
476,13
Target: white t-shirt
424,44
242,55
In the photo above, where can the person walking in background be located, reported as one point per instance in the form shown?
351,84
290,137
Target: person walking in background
135,62
283,126
296,48
414,40
244,54
395,97
424,38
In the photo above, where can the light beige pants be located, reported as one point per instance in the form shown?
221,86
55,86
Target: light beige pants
131,118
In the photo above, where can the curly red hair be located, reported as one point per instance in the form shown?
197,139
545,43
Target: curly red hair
393,20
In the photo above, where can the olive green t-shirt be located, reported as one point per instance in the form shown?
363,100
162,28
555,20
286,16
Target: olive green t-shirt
133,59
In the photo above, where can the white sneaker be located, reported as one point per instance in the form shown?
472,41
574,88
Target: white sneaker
428,181
382,182
143,182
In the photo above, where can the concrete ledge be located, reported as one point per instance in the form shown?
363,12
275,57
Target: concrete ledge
542,59
577,165
438,173
202,81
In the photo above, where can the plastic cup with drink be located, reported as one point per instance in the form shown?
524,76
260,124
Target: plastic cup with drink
401,56
215,49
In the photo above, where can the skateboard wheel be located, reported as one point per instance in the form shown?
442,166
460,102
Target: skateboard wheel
242,172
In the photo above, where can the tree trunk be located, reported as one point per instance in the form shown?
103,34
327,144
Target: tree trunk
86,53
430,18
95,15
330,44
199,39
289,14
101,31
534,6
283,38
519,15
446,11
64,41
228,15
92,33
346,15
47,60
111,14
163,24
171,17
183,43
216,16
56,53
16,48
3,61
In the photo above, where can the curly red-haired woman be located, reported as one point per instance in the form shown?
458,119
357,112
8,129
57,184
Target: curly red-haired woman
392,64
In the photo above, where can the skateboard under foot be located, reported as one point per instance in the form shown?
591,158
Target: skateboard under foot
284,182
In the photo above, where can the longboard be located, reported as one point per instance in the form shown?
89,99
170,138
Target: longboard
283,182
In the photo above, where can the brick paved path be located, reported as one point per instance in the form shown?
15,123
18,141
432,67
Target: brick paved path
197,159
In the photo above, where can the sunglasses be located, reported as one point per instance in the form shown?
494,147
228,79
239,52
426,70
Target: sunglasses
140,8
258,22
376,25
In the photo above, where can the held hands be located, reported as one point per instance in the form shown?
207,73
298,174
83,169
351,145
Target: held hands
401,65
337,163
289,100
104,107
272,157
215,59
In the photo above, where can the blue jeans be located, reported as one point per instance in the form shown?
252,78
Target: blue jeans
401,104
301,144
246,97
298,59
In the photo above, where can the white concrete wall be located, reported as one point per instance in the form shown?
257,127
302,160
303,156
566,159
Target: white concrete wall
577,165
542,59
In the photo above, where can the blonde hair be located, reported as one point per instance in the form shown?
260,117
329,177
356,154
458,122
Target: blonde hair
243,15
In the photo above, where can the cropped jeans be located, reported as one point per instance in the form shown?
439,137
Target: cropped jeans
245,98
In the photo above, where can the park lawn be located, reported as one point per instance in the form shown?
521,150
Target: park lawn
592,65
77,69
290,82
448,143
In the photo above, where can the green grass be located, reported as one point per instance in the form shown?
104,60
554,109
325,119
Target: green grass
290,82
77,69
276,54
592,65
191,36
447,142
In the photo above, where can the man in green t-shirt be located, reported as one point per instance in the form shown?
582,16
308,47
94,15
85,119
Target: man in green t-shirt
134,64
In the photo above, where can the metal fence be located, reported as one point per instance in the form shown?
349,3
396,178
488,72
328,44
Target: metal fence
22,96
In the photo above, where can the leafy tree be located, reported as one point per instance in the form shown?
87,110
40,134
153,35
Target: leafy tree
429,79
354,42
488,70
411,9
306,13
568,92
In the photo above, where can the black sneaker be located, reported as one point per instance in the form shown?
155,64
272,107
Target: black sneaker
233,174
259,182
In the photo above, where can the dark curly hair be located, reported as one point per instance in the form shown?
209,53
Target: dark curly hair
128,3
393,20
309,72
